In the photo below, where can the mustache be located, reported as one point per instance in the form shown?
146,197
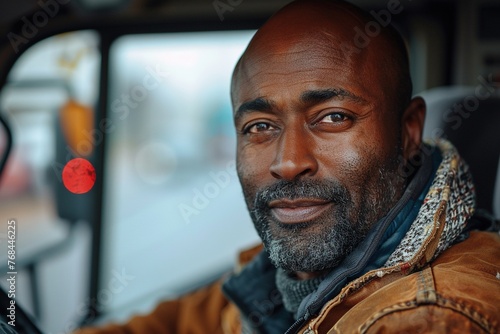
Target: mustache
327,190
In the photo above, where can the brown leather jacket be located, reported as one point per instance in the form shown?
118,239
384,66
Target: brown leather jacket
430,284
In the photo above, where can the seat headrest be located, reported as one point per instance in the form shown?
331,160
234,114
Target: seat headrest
472,123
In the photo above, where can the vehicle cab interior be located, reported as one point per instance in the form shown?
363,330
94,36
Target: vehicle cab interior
139,90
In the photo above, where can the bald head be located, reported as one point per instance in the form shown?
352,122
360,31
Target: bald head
330,31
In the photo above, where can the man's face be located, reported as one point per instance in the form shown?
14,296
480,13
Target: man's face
318,145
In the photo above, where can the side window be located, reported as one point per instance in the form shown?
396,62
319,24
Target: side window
174,214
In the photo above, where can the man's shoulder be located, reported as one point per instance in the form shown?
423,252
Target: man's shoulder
479,246
462,286
458,293
467,279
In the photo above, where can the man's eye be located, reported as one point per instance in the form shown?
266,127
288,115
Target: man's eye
334,118
258,127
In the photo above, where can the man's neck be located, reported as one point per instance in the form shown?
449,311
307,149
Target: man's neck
302,275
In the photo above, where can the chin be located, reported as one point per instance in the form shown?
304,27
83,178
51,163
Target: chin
311,246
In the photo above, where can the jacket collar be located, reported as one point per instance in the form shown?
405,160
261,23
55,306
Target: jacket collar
449,204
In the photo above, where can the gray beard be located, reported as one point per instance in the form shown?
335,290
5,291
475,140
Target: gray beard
323,243
315,251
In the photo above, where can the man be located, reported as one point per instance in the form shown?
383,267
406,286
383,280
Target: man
365,228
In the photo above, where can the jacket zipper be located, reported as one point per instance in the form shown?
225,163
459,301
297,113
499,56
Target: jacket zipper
297,325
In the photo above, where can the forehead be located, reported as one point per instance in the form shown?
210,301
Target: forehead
286,68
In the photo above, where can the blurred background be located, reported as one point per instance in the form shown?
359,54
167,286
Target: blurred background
140,88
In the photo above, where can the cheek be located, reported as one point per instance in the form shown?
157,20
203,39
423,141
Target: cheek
350,161
351,166
339,155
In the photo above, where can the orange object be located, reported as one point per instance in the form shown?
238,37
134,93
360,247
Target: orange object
77,123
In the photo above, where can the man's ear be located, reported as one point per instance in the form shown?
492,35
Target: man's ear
412,125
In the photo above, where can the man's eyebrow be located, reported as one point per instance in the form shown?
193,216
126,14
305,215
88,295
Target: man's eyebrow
258,104
308,97
323,95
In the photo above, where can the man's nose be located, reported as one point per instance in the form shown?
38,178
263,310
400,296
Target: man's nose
294,156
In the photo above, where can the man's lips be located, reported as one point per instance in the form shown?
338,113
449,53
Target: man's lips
299,210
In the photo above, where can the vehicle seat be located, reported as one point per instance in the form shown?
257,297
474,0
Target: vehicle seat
472,123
